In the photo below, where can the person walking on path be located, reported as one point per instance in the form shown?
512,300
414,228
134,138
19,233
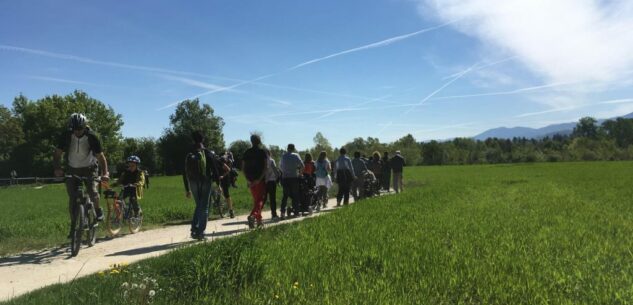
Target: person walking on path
273,174
386,172
357,185
397,165
344,175
200,172
291,165
84,158
254,164
375,165
323,179
224,167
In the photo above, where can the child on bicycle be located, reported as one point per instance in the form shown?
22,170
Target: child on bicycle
133,180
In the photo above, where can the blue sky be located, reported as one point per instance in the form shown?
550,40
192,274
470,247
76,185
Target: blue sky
288,69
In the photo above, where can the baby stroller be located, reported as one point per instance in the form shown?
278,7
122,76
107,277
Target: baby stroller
308,197
371,185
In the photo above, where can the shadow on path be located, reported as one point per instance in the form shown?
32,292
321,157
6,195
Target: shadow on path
38,257
150,249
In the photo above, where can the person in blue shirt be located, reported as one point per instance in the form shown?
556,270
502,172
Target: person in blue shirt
344,175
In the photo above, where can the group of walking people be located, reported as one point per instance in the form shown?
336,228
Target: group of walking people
296,176
203,168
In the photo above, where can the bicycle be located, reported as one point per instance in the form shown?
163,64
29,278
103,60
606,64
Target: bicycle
85,216
120,212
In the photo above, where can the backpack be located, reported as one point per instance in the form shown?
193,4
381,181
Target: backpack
196,164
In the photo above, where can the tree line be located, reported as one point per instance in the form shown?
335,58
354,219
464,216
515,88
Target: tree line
30,129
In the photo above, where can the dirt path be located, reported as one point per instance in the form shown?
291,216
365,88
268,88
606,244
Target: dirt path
26,272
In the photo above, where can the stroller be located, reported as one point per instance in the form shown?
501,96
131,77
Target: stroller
308,198
371,185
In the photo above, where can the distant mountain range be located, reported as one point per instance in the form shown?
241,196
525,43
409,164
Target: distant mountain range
534,133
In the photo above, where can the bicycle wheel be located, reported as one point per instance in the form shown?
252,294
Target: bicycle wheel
218,204
78,228
134,223
114,221
91,219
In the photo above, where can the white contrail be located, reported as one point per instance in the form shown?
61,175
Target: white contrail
484,66
93,61
605,102
511,92
62,80
195,83
378,44
216,91
458,76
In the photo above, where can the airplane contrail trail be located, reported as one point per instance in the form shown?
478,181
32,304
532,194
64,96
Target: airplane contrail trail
370,46
516,91
605,102
242,83
458,76
157,69
484,66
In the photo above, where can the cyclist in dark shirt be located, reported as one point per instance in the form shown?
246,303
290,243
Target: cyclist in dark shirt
254,164
84,157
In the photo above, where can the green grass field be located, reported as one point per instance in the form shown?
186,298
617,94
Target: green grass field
509,234
36,218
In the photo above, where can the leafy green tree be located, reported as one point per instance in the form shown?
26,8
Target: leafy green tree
145,149
587,128
321,144
621,130
176,140
409,149
44,120
237,148
11,134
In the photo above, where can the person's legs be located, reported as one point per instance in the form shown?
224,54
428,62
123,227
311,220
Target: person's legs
397,182
71,187
286,193
294,188
130,193
345,187
225,185
258,191
271,192
201,191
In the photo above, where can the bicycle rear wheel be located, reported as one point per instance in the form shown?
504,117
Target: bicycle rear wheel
77,228
218,204
114,221
91,233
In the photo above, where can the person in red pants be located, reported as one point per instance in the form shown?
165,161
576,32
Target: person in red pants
254,165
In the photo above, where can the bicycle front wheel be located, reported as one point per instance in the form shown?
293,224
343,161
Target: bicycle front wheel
135,222
77,230
91,234
114,221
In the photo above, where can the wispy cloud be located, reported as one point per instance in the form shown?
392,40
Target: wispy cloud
561,41
378,44
62,80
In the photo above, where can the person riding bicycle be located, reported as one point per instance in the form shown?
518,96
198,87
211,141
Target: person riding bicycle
133,180
84,157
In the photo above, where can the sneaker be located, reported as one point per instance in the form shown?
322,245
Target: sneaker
231,214
275,217
283,215
251,221
260,224
198,236
99,214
